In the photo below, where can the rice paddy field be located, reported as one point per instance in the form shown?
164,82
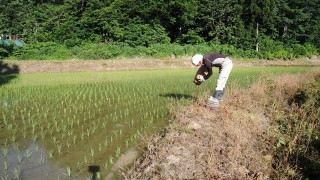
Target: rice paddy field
63,125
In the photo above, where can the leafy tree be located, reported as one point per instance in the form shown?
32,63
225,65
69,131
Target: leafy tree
260,16
11,14
312,25
292,21
220,21
144,35
175,16
191,37
299,21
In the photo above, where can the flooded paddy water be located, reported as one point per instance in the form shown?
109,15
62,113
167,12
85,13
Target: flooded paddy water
31,162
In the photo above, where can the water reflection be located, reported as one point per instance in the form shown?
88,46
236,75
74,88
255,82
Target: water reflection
30,163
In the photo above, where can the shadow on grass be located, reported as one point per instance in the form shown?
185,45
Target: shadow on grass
178,96
8,72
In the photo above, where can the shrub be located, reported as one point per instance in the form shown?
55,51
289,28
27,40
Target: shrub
191,37
42,51
6,49
299,50
91,51
3,53
283,54
312,50
144,35
72,42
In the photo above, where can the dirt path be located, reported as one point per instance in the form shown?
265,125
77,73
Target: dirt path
135,64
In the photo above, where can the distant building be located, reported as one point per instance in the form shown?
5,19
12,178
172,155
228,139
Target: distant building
16,42
14,39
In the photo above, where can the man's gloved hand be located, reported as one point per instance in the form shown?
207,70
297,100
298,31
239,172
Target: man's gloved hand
201,79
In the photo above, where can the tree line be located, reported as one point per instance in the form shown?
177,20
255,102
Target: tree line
273,26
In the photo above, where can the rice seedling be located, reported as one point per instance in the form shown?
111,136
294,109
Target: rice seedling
5,176
59,149
37,147
5,165
105,165
19,157
110,159
27,154
118,152
68,172
17,172
50,154
79,164
85,159
68,144
89,177
98,175
105,142
34,137
127,143
5,151
91,152
54,139
41,160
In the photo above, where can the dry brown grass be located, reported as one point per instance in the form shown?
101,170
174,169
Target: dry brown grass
235,142
76,65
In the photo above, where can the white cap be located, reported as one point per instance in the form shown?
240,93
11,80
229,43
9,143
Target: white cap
196,59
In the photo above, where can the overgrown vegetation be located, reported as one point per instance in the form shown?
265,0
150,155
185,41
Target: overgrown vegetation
296,129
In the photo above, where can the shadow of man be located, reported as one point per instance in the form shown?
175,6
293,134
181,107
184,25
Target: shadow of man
178,96
94,170
8,72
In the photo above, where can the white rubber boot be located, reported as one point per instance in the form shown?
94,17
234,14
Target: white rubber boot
212,102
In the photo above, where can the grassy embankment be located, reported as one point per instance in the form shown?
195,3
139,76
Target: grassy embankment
267,130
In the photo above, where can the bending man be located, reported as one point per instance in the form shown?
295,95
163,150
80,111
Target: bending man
208,61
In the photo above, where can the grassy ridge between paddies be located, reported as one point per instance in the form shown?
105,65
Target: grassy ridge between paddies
269,130
59,124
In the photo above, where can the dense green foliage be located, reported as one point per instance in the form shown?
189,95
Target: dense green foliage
273,28
91,51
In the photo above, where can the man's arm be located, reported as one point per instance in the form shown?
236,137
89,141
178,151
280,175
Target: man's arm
202,71
208,67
